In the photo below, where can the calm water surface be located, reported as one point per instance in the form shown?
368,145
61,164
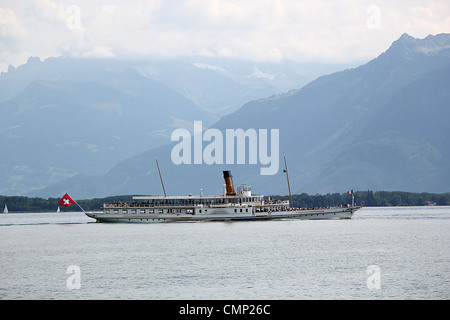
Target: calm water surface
408,247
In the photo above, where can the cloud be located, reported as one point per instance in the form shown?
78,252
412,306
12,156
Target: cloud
263,30
99,52
208,66
260,75
12,33
10,24
50,12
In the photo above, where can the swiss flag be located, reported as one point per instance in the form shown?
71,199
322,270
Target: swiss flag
66,201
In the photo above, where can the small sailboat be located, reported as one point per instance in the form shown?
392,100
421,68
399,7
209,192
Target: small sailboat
6,209
58,210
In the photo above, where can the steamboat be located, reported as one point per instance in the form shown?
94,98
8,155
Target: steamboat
231,205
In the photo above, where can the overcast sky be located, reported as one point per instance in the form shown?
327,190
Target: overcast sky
344,31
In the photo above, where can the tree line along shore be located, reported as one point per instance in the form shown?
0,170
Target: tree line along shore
364,198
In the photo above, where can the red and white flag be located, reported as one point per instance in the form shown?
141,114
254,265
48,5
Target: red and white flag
66,201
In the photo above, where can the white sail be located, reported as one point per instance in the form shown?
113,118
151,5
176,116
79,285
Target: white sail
6,209
58,210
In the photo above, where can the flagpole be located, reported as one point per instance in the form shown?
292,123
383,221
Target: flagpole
160,177
287,177
350,192
76,202
78,205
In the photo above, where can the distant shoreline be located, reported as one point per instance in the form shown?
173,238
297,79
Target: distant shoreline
22,204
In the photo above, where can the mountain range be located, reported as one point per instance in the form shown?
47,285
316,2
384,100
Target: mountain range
67,116
379,126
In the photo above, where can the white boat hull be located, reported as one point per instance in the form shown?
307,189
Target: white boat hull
319,214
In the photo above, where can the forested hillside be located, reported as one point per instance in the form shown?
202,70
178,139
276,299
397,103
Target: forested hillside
365,198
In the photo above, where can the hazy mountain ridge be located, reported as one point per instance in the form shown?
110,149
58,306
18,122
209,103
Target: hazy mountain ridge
65,116
362,128
406,143
54,129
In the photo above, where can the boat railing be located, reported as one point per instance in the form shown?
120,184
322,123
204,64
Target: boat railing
152,205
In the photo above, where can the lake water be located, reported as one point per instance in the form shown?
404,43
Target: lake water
382,253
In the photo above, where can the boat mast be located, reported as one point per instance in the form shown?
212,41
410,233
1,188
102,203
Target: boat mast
287,177
160,177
